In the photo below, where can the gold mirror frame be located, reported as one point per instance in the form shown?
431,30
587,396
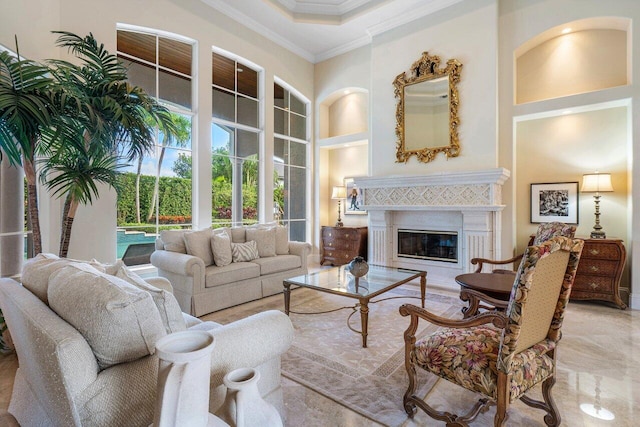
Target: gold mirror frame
424,69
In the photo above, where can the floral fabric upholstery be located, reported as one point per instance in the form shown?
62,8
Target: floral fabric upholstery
468,357
552,229
464,356
472,357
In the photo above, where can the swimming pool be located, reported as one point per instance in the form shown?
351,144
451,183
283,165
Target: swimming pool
126,238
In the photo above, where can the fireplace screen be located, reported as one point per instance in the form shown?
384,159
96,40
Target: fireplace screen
429,245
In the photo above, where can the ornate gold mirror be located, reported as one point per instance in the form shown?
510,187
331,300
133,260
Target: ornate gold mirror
427,109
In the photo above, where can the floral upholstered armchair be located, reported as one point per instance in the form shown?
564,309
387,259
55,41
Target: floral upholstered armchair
504,361
545,232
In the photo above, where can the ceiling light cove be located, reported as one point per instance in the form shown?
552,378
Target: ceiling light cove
330,12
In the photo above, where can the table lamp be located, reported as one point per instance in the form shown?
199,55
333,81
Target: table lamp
339,193
597,183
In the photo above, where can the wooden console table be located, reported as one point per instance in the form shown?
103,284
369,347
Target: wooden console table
341,244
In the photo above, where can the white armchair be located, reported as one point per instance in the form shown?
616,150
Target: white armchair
59,381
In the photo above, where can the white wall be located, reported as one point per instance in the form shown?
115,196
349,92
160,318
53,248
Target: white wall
466,32
189,18
522,20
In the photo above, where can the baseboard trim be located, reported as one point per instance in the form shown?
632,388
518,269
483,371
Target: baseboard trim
634,301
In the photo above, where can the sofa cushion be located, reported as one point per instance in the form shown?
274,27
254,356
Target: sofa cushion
243,252
173,241
278,263
265,239
119,321
234,272
36,272
165,302
198,244
221,248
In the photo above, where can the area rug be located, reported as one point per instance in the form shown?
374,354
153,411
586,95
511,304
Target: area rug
328,357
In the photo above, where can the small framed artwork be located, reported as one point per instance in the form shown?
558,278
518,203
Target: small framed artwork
355,199
554,201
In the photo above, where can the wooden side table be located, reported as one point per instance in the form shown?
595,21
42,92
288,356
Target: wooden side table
600,271
341,244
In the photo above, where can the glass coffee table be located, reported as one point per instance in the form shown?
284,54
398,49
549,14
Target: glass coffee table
338,281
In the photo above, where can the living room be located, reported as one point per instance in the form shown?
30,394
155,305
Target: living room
582,123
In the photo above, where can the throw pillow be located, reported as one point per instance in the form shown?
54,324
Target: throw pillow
265,239
282,240
119,321
238,235
198,243
243,252
36,272
221,247
173,241
166,303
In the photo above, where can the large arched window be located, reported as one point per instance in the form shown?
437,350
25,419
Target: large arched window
291,159
236,134
157,189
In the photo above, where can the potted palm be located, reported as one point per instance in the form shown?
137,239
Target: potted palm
105,123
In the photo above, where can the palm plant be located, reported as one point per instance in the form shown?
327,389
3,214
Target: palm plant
179,139
105,123
26,111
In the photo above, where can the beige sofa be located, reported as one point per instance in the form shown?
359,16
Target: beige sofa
207,276
66,377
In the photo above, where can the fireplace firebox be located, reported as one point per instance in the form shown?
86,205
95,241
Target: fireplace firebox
428,245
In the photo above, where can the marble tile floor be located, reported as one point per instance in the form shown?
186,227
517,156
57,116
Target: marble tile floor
597,365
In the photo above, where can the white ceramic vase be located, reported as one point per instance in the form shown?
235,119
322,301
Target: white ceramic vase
243,405
183,380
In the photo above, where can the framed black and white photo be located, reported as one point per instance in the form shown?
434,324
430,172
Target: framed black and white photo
554,201
355,199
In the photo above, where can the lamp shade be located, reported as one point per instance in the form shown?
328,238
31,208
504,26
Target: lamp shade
596,183
339,192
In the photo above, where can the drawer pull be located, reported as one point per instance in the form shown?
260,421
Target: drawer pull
593,286
346,235
594,268
594,251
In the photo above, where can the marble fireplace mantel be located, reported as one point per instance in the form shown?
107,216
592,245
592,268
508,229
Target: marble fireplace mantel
469,203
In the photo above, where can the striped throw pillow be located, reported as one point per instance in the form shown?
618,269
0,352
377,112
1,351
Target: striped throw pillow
242,252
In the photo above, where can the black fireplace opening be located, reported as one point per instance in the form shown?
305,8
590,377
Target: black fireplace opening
428,245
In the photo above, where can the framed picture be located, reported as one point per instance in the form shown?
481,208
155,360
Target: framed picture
355,199
554,201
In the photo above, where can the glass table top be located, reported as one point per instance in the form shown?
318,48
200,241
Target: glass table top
339,281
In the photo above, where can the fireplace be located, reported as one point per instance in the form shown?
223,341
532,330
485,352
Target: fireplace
462,207
428,245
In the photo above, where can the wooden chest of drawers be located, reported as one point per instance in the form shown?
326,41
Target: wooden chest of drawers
600,271
341,244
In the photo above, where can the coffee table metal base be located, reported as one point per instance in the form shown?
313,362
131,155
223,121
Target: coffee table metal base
362,306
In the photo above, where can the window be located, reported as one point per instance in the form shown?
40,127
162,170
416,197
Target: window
235,139
157,189
290,153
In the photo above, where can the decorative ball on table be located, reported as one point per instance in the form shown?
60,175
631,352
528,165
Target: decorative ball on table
358,267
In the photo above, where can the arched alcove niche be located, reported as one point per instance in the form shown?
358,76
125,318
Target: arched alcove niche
344,112
576,57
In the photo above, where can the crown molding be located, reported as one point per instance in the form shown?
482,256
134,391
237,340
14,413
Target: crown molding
416,13
255,26
343,48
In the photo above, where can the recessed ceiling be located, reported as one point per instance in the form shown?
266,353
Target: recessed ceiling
320,29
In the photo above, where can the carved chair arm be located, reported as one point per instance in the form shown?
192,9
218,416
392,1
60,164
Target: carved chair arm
497,303
498,319
482,261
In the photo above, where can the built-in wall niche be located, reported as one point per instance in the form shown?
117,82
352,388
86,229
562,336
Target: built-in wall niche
343,113
574,58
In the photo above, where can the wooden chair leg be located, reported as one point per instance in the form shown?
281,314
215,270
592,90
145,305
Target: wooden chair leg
502,400
552,419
